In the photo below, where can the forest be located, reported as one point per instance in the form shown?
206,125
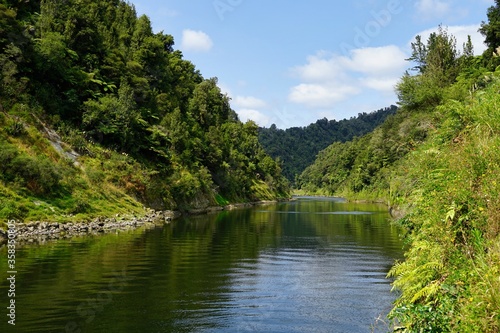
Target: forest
435,163
99,115
297,147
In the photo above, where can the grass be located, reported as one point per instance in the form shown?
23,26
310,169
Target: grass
38,183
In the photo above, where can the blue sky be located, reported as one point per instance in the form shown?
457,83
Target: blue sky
291,62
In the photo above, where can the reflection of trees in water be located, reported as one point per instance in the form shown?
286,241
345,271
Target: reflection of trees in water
203,270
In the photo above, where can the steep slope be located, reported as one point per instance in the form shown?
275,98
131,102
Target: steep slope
98,114
450,280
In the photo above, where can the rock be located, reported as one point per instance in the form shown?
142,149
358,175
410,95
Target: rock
43,231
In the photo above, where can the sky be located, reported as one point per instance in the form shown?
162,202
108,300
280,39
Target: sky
292,62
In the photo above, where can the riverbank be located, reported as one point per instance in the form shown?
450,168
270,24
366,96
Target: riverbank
41,231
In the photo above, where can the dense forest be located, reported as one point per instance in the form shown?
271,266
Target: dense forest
100,115
297,147
436,163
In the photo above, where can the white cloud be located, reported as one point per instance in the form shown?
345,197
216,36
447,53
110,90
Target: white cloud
383,84
321,95
250,108
433,8
255,115
248,102
328,79
321,67
224,89
378,61
196,41
460,32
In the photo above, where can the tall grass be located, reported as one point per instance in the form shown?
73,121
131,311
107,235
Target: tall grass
450,280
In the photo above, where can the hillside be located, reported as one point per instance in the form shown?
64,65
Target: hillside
99,116
297,147
436,163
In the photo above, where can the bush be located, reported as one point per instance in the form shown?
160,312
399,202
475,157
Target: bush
15,128
13,211
38,174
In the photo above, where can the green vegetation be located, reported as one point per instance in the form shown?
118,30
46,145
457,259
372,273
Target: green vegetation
297,147
138,124
437,161
150,130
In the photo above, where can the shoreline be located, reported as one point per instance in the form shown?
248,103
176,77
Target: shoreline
41,231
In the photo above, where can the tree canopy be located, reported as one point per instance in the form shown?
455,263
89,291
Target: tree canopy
297,147
97,73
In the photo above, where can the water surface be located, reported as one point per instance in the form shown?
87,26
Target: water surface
311,265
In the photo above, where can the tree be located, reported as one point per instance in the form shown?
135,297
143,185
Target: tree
115,120
14,44
419,54
209,106
491,31
297,147
96,71
438,56
438,67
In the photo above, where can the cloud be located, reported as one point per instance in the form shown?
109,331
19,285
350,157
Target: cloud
328,79
249,102
225,90
255,115
460,32
321,95
196,41
321,67
250,108
378,61
433,8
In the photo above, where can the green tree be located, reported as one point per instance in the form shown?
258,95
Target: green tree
115,121
491,32
297,147
438,66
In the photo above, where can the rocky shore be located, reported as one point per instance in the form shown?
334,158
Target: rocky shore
33,232
42,231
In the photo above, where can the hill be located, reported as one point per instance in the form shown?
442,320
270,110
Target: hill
99,115
297,147
436,163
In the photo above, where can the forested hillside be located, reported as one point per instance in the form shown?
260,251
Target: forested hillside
130,121
436,162
297,147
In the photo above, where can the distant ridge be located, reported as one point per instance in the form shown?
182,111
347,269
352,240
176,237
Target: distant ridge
297,147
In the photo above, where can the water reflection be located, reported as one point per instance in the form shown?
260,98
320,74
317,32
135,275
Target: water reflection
313,265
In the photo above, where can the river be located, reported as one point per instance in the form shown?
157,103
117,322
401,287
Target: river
309,265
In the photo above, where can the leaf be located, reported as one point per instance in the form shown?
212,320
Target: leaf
450,215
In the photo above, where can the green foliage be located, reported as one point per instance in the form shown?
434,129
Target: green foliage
437,161
361,164
139,124
115,120
37,174
452,225
15,127
297,147
490,32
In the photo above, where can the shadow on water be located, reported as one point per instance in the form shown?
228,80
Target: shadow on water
311,265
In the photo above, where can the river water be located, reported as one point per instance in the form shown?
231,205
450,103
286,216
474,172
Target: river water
310,265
